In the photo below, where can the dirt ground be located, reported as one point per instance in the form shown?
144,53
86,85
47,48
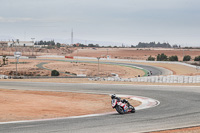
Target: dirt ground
29,68
25,67
28,51
183,130
134,53
119,53
90,69
28,105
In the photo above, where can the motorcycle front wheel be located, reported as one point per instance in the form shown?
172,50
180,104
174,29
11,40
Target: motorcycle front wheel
119,109
133,110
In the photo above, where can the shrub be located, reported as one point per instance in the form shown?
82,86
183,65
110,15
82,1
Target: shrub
162,57
186,58
150,58
173,58
55,73
197,58
4,60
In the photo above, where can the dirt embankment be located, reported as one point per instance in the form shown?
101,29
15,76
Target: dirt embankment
28,51
135,53
27,105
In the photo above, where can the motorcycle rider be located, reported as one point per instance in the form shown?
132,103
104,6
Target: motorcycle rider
113,96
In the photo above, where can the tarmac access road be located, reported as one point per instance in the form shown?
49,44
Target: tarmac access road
179,107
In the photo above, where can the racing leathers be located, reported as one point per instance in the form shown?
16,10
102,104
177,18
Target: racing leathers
123,101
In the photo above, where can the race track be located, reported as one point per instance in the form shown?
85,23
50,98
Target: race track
154,69
179,107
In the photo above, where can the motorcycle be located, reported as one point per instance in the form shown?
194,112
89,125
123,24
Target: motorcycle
122,108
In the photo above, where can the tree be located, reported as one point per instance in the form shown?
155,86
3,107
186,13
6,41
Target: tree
162,57
150,58
186,58
153,44
91,45
173,58
58,45
197,58
4,60
175,46
55,73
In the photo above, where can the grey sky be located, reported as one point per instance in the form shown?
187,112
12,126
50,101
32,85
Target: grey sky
123,21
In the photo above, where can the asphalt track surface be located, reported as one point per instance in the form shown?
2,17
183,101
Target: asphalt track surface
179,107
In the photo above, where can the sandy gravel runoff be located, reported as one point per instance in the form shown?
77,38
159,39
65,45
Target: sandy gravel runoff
183,130
28,105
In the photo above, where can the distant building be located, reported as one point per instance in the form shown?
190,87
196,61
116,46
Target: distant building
16,44
3,44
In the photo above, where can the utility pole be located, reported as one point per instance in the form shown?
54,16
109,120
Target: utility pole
16,64
77,56
72,37
98,64
17,55
33,45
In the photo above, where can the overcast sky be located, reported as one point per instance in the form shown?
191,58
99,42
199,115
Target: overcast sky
122,21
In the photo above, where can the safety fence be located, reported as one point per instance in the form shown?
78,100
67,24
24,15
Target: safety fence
155,79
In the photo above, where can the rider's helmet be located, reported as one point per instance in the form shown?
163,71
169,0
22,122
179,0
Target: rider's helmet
113,96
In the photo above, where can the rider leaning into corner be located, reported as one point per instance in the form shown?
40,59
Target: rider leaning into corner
113,96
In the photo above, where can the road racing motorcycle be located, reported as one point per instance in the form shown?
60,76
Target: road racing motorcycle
122,108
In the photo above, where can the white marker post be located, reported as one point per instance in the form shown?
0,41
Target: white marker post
17,55
98,58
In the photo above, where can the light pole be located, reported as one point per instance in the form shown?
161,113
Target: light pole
107,52
98,64
17,58
33,45
17,55
77,56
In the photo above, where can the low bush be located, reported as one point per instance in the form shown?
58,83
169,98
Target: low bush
186,58
55,73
